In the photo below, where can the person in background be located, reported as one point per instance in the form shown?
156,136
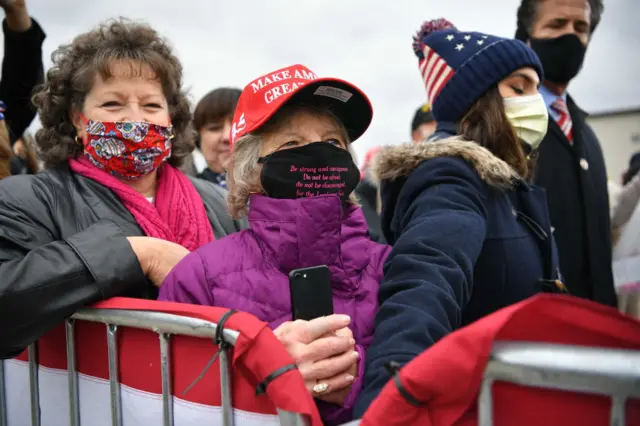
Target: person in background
22,71
423,125
111,215
625,228
369,197
614,188
212,120
25,150
470,233
632,170
5,150
627,197
570,163
622,197
292,172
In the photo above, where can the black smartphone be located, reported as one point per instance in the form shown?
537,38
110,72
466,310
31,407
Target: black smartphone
311,295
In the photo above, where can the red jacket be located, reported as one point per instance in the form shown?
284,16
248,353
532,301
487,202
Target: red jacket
447,377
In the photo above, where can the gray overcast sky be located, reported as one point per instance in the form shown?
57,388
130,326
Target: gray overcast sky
367,42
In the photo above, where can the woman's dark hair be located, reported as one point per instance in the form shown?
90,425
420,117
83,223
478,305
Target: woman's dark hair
215,106
75,67
486,123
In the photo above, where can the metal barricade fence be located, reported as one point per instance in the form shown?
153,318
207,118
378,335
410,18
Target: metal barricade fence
580,369
165,325
599,371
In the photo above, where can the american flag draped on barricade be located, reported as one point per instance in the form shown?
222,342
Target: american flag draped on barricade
133,396
550,360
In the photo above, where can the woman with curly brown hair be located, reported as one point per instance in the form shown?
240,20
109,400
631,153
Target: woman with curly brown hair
112,214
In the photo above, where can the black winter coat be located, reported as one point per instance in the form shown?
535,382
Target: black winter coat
63,245
575,179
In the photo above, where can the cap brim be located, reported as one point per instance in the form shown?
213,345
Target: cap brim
344,99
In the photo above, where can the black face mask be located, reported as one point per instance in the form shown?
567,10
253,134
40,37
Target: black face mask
561,57
319,168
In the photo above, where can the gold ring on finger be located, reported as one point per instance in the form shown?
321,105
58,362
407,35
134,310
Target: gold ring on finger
320,388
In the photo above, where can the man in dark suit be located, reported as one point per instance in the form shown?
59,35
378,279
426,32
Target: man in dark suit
570,164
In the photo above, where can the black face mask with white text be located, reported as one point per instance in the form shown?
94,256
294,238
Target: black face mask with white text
318,168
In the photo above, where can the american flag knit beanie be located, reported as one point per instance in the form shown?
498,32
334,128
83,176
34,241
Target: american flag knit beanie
459,67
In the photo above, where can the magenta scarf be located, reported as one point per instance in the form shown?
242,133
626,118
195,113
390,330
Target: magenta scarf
178,215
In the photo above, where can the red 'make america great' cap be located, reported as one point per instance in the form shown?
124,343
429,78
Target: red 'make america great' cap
264,96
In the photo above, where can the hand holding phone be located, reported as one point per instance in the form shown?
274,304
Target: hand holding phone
324,351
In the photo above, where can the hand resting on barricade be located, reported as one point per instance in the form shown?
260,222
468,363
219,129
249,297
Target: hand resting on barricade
157,257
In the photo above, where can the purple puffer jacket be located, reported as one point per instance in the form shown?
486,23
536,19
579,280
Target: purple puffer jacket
248,271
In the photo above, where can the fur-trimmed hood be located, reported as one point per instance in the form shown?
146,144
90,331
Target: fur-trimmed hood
398,161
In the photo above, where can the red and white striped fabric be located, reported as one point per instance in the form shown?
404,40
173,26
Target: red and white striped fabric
257,353
435,73
564,118
448,375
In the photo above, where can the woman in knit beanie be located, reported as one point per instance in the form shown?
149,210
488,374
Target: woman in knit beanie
470,234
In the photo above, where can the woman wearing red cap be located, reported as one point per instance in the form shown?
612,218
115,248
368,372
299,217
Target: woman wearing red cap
470,234
292,173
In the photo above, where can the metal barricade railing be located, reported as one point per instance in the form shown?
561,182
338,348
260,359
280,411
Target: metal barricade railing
600,371
165,325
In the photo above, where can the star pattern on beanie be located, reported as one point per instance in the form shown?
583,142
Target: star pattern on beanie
458,67
468,38
435,64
